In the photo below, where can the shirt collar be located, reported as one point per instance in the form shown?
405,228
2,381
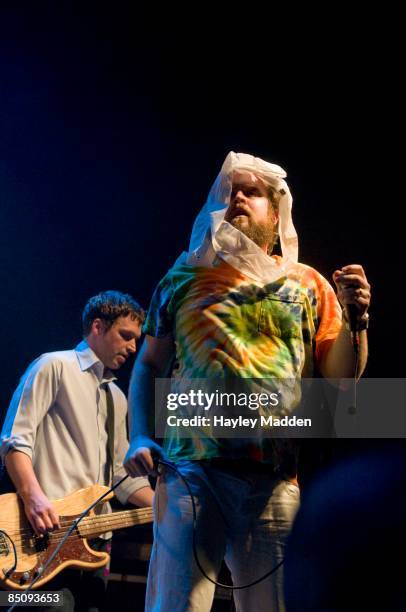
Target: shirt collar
88,360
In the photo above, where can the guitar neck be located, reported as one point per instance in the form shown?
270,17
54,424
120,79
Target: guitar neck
93,526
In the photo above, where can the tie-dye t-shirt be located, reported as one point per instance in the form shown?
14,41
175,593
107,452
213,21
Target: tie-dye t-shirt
225,324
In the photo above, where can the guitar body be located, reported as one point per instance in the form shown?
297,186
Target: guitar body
33,552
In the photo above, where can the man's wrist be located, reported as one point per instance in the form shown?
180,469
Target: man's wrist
27,492
362,322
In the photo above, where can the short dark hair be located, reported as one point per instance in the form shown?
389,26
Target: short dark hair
109,306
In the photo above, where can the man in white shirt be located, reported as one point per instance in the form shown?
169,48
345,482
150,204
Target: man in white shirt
55,437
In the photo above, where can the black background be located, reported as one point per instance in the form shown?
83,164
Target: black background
115,121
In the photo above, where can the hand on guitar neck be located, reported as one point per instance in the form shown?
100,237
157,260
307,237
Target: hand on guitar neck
39,510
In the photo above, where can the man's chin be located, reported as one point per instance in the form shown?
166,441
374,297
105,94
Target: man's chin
115,365
119,361
251,231
240,222
112,367
243,224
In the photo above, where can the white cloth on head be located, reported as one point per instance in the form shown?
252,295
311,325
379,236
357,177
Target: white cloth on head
213,237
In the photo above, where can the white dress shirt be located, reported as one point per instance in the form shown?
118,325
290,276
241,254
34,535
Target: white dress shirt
58,417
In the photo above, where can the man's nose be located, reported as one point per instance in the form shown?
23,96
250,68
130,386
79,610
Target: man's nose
132,346
239,196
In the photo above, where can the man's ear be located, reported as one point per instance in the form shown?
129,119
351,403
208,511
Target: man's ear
98,327
274,215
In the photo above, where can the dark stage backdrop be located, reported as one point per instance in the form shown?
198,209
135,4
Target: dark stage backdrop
113,127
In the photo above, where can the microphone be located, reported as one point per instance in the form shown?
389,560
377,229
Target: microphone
351,313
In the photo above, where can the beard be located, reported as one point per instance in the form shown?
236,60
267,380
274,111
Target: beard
261,233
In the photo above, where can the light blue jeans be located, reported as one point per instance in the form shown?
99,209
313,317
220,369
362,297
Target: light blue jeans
242,518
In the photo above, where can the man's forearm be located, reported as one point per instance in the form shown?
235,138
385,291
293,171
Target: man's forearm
142,498
154,360
38,509
21,472
140,400
340,361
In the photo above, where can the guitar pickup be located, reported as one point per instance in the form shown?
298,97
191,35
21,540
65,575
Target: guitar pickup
41,543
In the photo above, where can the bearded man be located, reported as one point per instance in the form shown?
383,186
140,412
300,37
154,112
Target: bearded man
229,308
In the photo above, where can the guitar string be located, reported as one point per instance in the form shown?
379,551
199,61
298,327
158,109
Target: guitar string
58,535
105,523
115,516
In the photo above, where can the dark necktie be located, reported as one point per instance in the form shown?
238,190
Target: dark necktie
110,425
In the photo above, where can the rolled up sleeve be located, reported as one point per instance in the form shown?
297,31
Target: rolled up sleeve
30,402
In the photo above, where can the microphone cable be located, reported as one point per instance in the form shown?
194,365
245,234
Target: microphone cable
194,545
